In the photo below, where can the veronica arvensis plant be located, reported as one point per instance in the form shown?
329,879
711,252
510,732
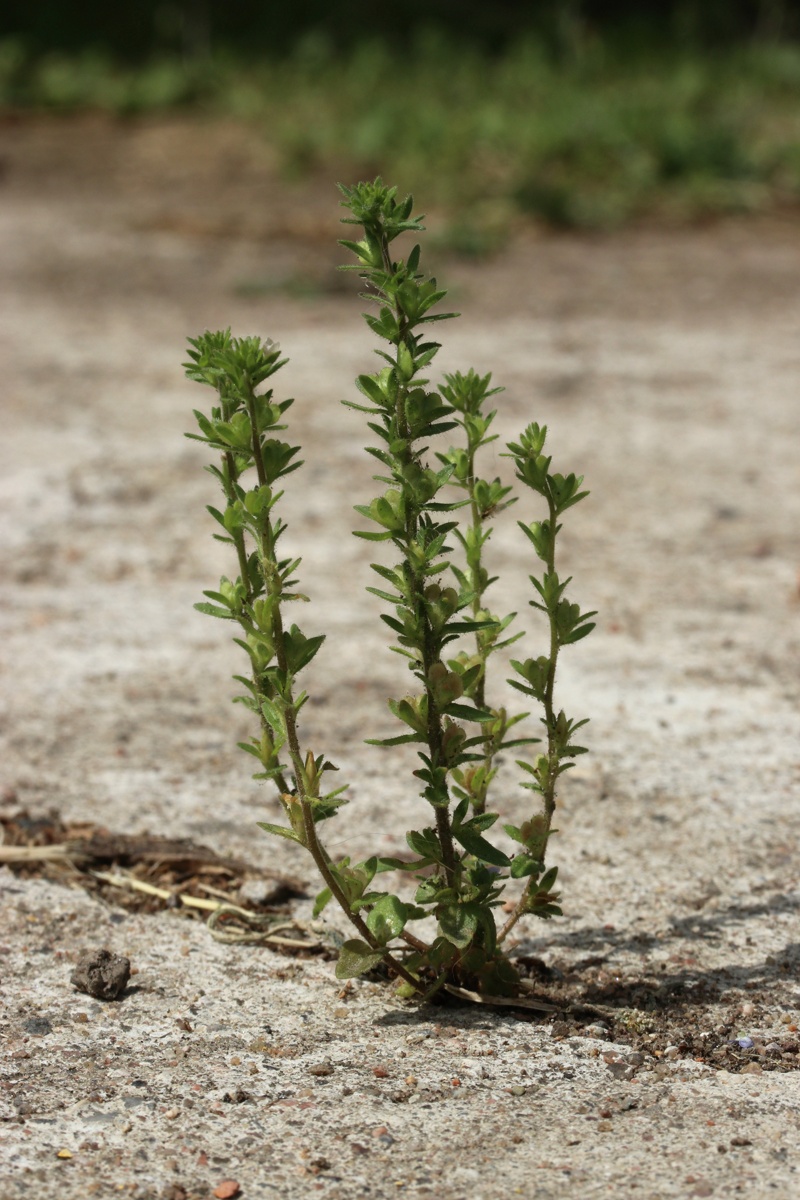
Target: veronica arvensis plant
434,512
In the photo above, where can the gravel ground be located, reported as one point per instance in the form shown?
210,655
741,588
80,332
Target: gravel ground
666,365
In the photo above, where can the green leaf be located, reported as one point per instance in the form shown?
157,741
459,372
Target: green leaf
483,821
458,923
299,649
463,713
281,831
321,901
355,958
273,716
212,610
581,632
248,747
402,740
473,843
387,919
400,864
425,843
523,865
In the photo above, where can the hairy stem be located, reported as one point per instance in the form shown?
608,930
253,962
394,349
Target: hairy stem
479,802
549,792
272,581
429,653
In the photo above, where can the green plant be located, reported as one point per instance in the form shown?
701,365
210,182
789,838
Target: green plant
438,618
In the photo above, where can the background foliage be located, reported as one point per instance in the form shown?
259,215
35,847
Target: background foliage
141,27
573,113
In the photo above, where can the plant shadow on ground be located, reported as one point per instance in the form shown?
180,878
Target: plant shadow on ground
647,1008
701,1013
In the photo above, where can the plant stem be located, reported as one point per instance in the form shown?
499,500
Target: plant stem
548,792
549,714
272,581
429,651
479,802
231,479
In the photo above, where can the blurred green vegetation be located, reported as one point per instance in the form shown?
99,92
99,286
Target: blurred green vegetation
590,139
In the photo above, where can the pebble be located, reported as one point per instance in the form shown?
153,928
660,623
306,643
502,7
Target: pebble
227,1189
597,1030
671,1052
744,1043
752,1068
101,974
323,1068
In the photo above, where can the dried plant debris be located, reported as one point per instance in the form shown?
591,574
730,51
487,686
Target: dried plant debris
140,871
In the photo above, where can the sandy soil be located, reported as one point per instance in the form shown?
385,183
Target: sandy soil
666,364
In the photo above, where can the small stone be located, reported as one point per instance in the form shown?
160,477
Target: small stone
745,1043
38,1027
597,1030
635,1059
172,1113
101,974
752,1068
226,1190
671,1053
604,1126
323,1068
